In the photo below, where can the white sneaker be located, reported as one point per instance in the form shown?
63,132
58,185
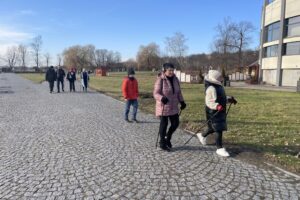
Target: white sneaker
201,138
222,152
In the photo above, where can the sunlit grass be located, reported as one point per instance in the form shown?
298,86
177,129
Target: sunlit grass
36,77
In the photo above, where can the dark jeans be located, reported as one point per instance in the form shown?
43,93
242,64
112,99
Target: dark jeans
164,135
51,85
218,135
62,85
134,104
72,86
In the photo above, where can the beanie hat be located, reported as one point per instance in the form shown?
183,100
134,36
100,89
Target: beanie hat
130,71
167,66
213,77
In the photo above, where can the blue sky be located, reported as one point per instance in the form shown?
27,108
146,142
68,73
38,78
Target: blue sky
120,25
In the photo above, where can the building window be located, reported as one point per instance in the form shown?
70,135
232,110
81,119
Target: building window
293,26
271,51
272,32
270,1
292,48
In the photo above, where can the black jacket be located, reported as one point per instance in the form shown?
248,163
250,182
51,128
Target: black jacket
219,120
71,76
50,75
60,74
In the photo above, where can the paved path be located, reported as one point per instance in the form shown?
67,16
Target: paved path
76,146
241,84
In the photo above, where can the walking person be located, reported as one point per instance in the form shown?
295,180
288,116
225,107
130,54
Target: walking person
215,101
167,93
71,76
130,92
60,78
84,79
51,77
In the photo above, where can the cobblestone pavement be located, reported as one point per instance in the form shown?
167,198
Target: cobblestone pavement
77,146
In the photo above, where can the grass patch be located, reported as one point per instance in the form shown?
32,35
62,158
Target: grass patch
265,121
34,77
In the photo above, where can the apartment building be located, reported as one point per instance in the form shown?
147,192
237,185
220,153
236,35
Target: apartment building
280,42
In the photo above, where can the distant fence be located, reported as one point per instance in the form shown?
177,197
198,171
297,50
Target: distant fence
237,76
187,77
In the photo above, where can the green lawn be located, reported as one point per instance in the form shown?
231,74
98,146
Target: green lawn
266,121
36,77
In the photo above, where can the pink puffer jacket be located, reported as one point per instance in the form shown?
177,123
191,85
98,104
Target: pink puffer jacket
171,108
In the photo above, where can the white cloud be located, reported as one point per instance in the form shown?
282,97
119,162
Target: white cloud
27,12
9,36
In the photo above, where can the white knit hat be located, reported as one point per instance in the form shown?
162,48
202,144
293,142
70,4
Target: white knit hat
213,76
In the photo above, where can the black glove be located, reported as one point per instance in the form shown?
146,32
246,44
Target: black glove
164,100
232,100
183,105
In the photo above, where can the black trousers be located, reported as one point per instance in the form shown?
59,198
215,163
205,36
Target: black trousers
164,135
218,135
62,85
72,86
51,85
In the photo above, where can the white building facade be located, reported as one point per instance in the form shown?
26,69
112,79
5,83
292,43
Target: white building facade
280,42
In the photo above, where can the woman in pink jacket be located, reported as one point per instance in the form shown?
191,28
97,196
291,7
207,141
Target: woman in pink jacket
167,93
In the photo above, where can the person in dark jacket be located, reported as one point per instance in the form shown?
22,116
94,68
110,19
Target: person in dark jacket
71,76
130,93
215,101
168,95
84,79
60,78
51,77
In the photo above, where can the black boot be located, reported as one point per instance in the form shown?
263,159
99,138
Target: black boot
168,140
163,146
169,144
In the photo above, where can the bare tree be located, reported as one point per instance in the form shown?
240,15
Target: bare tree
11,56
47,58
22,52
100,57
148,56
231,38
242,39
70,56
80,56
225,40
89,55
59,59
117,57
177,47
130,63
110,58
36,45
197,61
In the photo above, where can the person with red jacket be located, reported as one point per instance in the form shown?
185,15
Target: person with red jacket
130,94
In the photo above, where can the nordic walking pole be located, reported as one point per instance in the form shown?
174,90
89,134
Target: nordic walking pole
228,109
207,122
202,127
158,130
179,112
